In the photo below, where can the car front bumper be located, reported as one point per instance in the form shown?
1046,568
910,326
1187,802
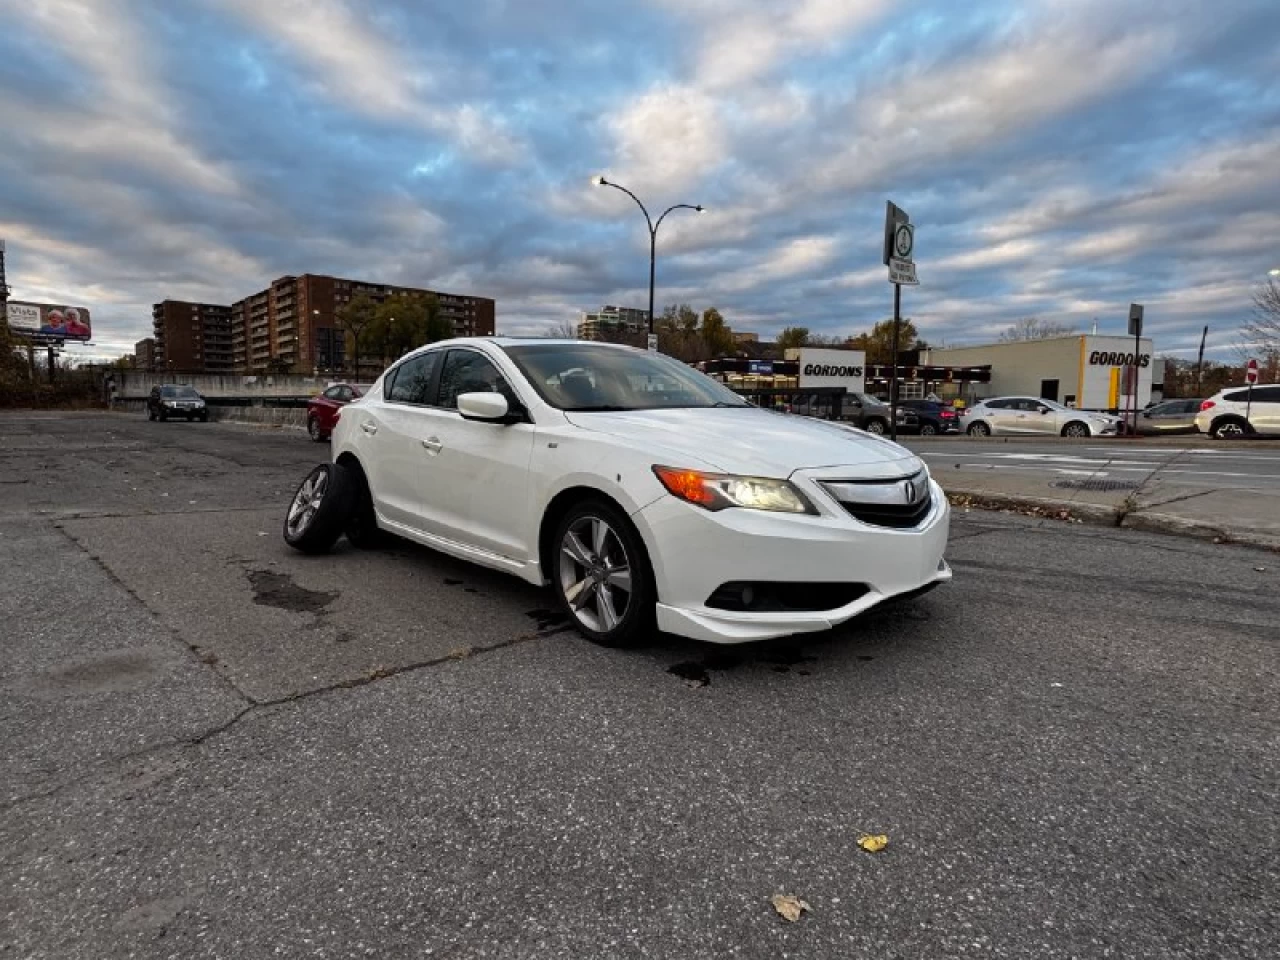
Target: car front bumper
694,552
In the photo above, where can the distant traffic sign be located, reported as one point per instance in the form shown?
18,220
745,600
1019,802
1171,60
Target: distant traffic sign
1251,372
653,342
904,241
902,272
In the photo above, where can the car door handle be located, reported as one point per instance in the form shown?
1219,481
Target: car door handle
369,428
432,445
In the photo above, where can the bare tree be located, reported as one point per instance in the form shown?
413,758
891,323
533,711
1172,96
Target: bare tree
1033,328
563,330
1262,329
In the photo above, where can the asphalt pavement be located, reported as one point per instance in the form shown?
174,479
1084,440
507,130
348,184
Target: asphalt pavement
215,747
1191,461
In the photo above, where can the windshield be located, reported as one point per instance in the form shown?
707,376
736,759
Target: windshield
585,377
186,393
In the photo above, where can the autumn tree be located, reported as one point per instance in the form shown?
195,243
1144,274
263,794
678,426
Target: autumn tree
878,344
404,323
792,337
715,333
355,317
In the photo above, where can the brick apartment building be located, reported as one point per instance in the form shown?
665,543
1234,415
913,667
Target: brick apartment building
191,337
292,326
144,355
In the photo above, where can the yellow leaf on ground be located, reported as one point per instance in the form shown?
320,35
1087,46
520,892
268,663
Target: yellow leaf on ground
789,907
873,844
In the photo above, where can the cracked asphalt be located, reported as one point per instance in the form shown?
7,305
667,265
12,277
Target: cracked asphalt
214,747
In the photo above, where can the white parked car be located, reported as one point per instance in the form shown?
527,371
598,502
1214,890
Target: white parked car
1232,413
1032,416
644,492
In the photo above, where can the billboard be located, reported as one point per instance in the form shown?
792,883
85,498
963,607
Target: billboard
833,368
49,321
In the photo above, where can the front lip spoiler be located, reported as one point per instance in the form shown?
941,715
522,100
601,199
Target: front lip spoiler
716,626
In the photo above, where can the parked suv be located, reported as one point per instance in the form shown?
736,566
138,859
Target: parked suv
1233,413
1031,416
176,400
872,415
322,411
933,417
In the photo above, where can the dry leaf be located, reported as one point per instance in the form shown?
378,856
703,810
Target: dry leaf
873,844
789,907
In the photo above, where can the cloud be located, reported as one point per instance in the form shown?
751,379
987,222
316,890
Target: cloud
1059,157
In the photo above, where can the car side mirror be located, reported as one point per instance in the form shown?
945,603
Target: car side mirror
1044,410
488,407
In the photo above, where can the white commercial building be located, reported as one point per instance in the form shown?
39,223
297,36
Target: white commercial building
1087,371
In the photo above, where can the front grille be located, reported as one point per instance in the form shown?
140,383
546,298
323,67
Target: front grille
902,503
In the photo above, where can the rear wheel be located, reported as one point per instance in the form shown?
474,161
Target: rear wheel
314,431
1076,429
319,509
979,429
928,430
1229,428
877,426
600,573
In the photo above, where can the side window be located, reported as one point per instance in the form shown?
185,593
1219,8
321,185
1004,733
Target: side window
413,379
1266,394
333,393
1240,396
346,394
467,371
999,404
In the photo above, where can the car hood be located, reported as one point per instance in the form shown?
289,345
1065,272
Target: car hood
743,440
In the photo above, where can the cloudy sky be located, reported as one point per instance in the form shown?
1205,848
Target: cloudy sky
1059,158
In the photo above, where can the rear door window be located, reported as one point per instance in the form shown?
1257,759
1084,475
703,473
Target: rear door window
413,380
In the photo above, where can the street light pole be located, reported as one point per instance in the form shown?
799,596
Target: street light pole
653,230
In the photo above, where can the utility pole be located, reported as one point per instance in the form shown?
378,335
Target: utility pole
1200,360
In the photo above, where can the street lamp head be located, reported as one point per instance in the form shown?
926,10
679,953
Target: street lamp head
1275,272
599,181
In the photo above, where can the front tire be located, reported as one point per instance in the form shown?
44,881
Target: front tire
979,429
877,427
601,575
1076,429
319,509
362,528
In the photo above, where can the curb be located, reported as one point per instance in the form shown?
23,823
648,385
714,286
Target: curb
1068,511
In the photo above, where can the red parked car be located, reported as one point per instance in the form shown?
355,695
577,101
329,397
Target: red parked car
322,411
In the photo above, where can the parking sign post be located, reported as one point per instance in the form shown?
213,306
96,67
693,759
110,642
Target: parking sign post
899,257
1250,378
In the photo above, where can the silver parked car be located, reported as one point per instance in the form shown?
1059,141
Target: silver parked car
1033,416
1169,417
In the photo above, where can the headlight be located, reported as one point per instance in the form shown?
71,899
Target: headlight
171,403
718,491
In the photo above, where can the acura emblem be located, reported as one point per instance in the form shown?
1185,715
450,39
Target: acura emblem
909,490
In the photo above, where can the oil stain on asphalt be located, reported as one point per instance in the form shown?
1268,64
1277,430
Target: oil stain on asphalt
278,590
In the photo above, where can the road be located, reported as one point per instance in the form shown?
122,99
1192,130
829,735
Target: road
1197,462
215,747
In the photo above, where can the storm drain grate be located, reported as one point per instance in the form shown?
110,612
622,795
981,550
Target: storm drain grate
1089,483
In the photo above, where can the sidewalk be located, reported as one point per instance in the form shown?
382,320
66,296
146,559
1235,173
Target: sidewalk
1250,517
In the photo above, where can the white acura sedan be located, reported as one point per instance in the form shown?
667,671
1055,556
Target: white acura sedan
642,491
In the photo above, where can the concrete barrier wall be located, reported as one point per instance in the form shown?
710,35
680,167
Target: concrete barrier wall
132,385
271,416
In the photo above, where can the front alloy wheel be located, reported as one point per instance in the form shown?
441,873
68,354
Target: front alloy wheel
313,429
928,430
979,429
877,427
601,575
1076,430
319,509
1229,428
